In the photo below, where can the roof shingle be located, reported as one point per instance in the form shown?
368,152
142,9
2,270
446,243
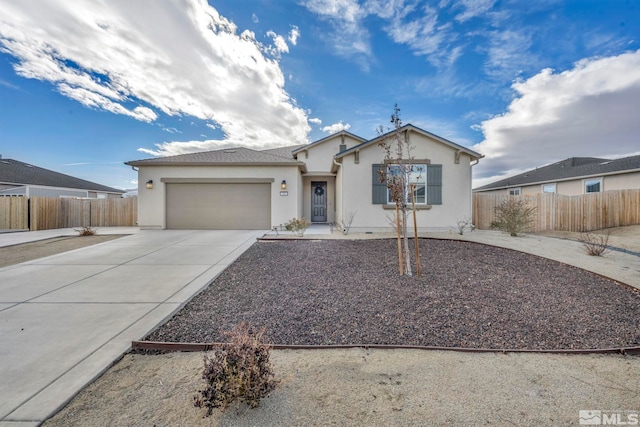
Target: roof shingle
238,156
16,172
573,167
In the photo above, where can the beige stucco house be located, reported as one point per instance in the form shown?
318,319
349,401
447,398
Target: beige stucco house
572,177
324,182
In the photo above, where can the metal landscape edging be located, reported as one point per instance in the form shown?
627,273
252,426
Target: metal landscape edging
198,347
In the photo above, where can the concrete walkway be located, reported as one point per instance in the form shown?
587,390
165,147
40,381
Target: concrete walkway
66,318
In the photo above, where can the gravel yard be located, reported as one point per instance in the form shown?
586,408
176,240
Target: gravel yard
470,295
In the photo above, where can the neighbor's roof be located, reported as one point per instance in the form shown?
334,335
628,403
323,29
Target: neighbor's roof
571,168
240,156
19,173
474,154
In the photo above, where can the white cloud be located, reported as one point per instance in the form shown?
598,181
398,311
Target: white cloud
589,110
254,18
407,24
348,36
173,148
422,33
427,30
211,126
347,10
508,52
315,121
294,34
115,56
336,127
279,42
473,8
8,85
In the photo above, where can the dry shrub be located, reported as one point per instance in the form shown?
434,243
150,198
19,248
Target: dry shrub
298,226
239,371
513,216
595,244
86,231
465,224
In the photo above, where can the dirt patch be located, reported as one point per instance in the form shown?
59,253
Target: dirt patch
369,387
10,255
470,295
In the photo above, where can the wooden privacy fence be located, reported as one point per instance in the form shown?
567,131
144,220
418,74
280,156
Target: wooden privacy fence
45,213
14,213
582,213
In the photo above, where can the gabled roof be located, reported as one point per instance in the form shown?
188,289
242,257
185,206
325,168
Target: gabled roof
332,136
474,155
286,152
240,156
19,173
571,168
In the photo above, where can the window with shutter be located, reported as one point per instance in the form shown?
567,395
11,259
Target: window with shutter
434,184
418,176
379,189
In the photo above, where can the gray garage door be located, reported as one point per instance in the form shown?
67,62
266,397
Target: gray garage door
205,206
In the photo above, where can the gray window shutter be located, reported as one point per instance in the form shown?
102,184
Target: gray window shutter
379,189
434,184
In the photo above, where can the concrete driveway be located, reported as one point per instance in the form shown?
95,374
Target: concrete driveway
65,319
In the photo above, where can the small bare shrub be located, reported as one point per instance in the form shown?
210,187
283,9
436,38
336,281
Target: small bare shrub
347,220
595,244
465,224
239,371
298,226
513,216
393,223
86,231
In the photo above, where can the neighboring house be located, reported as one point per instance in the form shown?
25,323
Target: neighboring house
572,177
23,179
324,181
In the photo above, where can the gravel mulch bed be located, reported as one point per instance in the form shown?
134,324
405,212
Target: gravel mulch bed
470,295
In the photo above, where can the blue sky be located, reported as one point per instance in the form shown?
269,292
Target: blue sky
88,85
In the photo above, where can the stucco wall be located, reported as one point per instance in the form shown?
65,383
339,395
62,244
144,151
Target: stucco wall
627,181
356,183
575,187
319,157
152,203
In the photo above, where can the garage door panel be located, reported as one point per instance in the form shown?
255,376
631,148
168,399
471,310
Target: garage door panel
229,206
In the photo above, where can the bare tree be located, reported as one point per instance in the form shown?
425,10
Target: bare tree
397,177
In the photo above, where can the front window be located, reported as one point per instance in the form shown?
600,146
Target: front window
549,188
514,191
593,185
416,176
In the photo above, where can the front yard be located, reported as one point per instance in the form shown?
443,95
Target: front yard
470,295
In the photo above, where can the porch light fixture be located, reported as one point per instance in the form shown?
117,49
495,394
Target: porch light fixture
283,185
149,184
